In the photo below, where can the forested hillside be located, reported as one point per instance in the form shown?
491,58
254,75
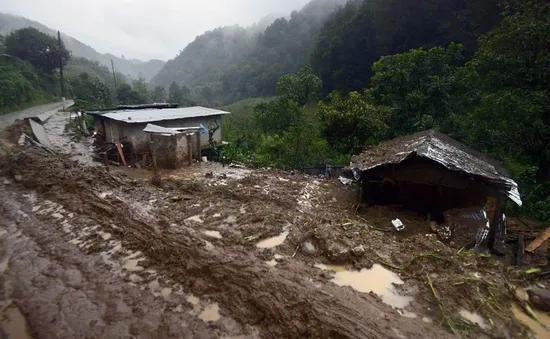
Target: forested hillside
232,63
129,67
77,65
363,31
483,82
29,75
28,68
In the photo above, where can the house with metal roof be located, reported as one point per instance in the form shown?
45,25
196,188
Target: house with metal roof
429,172
129,123
432,159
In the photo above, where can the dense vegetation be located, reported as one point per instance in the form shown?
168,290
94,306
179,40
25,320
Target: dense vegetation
29,64
129,67
78,65
28,61
360,33
476,70
233,63
494,97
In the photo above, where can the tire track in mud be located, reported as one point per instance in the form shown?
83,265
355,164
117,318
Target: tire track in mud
66,294
279,302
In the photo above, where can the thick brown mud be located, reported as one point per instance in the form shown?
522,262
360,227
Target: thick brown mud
91,256
225,252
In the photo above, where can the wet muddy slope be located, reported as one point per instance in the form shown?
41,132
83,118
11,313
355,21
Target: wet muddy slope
96,255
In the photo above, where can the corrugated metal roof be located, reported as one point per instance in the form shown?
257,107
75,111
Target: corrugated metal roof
158,114
152,128
442,149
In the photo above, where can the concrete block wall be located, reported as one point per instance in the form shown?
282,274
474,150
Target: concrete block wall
115,130
170,151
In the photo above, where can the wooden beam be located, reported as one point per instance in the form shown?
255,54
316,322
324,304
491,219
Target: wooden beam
119,148
535,244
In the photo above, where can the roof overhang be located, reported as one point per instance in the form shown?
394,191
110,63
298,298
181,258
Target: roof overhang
148,115
442,150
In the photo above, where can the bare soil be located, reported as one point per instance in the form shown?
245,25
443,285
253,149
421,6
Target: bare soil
91,254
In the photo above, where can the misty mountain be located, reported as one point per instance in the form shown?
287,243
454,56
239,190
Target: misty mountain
130,67
232,63
78,65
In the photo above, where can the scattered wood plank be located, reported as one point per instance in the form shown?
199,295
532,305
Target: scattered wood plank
519,256
36,143
535,244
119,147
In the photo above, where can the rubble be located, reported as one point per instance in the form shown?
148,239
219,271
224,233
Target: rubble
456,188
208,247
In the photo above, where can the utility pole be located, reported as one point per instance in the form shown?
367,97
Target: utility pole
114,74
61,65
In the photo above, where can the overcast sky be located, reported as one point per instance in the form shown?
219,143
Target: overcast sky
144,29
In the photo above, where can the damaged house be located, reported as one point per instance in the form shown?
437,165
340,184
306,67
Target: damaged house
176,134
457,188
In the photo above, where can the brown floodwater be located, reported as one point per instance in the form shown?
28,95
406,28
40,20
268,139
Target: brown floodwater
377,279
542,329
15,324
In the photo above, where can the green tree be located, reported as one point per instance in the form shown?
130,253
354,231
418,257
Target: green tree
126,95
140,86
277,115
2,44
351,123
90,92
361,32
238,63
185,91
419,86
304,144
509,82
175,94
159,94
40,49
21,84
301,87
207,94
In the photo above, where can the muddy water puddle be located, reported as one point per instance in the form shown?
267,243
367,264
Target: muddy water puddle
377,279
213,234
131,264
474,318
276,240
195,219
542,329
14,324
4,263
334,268
210,313
271,263
273,241
193,300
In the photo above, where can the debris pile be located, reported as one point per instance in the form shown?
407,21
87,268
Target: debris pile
253,245
456,188
242,285
118,153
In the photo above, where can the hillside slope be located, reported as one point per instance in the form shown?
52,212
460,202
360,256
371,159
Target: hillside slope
361,32
131,67
232,63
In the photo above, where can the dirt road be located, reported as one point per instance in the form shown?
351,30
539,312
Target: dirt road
237,254
89,259
8,119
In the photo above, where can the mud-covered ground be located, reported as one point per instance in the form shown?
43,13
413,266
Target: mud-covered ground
221,252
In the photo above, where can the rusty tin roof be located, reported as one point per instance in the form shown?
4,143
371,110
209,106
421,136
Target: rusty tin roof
442,149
